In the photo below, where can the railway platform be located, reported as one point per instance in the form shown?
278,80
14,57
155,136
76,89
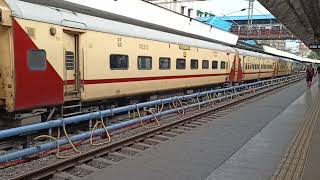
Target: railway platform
271,137
266,138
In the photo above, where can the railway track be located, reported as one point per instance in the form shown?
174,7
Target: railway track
107,155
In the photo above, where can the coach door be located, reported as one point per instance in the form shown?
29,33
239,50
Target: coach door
259,67
232,70
235,67
71,62
239,69
275,69
236,70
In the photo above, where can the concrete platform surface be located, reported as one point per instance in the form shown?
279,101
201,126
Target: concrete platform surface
246,143
260,157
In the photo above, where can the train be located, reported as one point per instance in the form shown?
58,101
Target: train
54,59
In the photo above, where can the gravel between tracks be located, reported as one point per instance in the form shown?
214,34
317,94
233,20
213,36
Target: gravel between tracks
23,168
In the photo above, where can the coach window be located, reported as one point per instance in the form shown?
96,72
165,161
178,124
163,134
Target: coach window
181,64
214,64
205,64
37,60
194,64
223,65
144,62
119,62
164,63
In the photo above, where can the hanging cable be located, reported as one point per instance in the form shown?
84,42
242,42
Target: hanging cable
210,99
141,122
156,119
105,128
58,145
177,108
162,106
68,138
198,100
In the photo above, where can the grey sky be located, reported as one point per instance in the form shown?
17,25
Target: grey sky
219,7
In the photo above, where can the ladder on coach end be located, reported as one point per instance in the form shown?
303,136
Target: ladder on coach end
71,108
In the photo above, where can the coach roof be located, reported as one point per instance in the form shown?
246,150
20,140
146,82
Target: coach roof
119,11
45,12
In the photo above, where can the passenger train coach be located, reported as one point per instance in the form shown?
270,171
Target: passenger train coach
50,56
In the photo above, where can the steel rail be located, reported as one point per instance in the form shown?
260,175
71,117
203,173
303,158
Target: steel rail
82,136
68,163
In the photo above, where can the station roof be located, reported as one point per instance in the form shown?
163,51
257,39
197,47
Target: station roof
278,52
300,17
245,18
145,14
